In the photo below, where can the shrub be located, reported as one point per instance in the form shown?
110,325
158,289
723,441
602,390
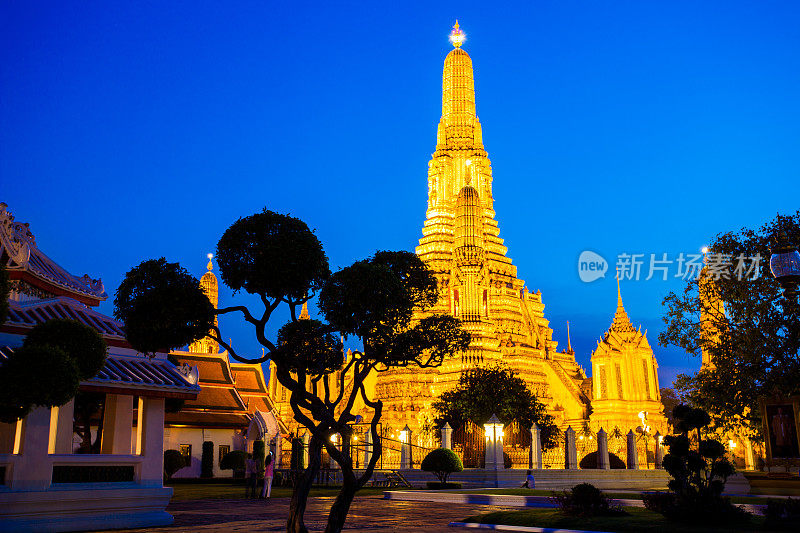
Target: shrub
436,485
442,462
782,513
207,460
259,454
173,461
585,500
235,460
507,460
589,461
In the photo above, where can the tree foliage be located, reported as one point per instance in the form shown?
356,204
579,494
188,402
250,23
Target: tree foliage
494,390
173,461
754,341
278,258
46,371
442,462
162,307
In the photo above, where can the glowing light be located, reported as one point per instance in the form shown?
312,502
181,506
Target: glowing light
469,162
580,438
660,438
457,36
704,249
731,444
210,256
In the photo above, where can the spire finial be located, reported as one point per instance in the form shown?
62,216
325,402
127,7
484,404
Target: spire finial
569,340
457,36
210,265
619,292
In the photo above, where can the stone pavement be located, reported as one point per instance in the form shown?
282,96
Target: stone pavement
368,513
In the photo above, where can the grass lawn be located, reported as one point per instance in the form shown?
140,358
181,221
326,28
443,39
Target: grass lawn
233,490
639,520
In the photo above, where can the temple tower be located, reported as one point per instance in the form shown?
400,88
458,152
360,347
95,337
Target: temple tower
478,283
210,287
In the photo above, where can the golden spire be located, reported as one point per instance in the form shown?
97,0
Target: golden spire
304,312
569,340
621,320
457,36
210,287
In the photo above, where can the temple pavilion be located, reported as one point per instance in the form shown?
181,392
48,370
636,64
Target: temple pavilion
44,484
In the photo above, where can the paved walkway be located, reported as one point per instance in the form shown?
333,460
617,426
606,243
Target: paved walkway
368,513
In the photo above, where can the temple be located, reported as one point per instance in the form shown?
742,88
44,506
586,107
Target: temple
461,243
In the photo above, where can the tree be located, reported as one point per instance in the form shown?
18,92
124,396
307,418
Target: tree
442,462
46,371
279,259
510,400
207,460
669,399
753,339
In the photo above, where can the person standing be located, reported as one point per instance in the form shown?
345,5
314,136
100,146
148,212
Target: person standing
252,477
268,474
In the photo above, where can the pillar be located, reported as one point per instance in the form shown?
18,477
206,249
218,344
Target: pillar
278,456
405,449
749,457
117,422
659,455
570,450
367,447
33,470
447,433
535,453
306,449
150,441
603,461
633,453
64,430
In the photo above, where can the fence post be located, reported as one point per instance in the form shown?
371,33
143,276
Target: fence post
405,448
659,455
633,453
447,433
603,461
570,450
535,452
367,447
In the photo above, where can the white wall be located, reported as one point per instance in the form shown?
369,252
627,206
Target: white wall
174,437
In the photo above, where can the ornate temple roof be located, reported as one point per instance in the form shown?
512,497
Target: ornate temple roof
25,261
621,323
23,316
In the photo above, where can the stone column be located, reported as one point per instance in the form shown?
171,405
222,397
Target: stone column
447,433
570,450
34,470
603,461
306,449
367,447
405,449
117,422
150,441
64,430
633,453
659,455
535,452
278,450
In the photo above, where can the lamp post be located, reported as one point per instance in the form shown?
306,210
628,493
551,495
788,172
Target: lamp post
644,431
405,448
493,429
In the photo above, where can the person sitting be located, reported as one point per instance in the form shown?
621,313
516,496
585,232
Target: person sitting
530,483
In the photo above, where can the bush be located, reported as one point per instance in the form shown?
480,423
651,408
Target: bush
259,454
442,462
235,460
173,461
782,514
207,460
585,500
589,461
436,485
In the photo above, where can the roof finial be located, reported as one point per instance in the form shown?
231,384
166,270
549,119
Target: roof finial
457,36
569,340
619,292
210,265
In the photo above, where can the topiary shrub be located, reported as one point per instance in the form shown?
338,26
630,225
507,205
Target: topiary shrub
207,460
589,461
585,500
235,460
259,454
442,462
698,475
173,461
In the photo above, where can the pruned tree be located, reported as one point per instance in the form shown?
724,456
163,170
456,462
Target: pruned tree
279,259
737,313
511,399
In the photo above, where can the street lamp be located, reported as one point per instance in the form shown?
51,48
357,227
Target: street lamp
784,263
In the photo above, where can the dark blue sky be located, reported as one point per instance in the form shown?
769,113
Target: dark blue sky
144,129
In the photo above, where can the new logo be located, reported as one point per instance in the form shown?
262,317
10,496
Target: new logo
591,266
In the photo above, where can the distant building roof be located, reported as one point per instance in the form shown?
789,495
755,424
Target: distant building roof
28,263
25,315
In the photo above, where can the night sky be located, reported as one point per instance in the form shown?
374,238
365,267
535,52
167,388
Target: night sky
132,130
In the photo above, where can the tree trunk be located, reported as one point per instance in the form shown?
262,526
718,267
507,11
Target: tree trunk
297,506
341,506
